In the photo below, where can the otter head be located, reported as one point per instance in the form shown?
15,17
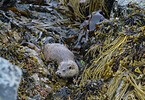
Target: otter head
67,69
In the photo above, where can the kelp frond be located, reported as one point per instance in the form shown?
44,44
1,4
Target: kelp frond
118,86
88,6
137,88
104,60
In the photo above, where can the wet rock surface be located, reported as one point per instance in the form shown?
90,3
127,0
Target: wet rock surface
10,76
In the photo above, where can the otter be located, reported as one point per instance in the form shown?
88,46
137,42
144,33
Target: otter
67,66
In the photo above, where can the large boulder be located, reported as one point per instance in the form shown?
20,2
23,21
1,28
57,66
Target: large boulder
10,76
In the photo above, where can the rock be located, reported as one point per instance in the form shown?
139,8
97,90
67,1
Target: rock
62,94
126,2
7,3
83,1
36,1
48,39
10,76
95,19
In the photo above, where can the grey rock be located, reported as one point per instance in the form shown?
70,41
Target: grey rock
141,3
96,18
62,94
126,2
10,76
7,3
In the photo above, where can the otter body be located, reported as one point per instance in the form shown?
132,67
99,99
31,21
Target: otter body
64,57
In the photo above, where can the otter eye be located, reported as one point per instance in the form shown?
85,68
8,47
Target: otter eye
70,67
63,70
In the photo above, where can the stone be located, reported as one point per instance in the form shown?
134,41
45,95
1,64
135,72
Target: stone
7,3
10,76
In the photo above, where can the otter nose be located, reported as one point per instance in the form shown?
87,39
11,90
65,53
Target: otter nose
58,73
